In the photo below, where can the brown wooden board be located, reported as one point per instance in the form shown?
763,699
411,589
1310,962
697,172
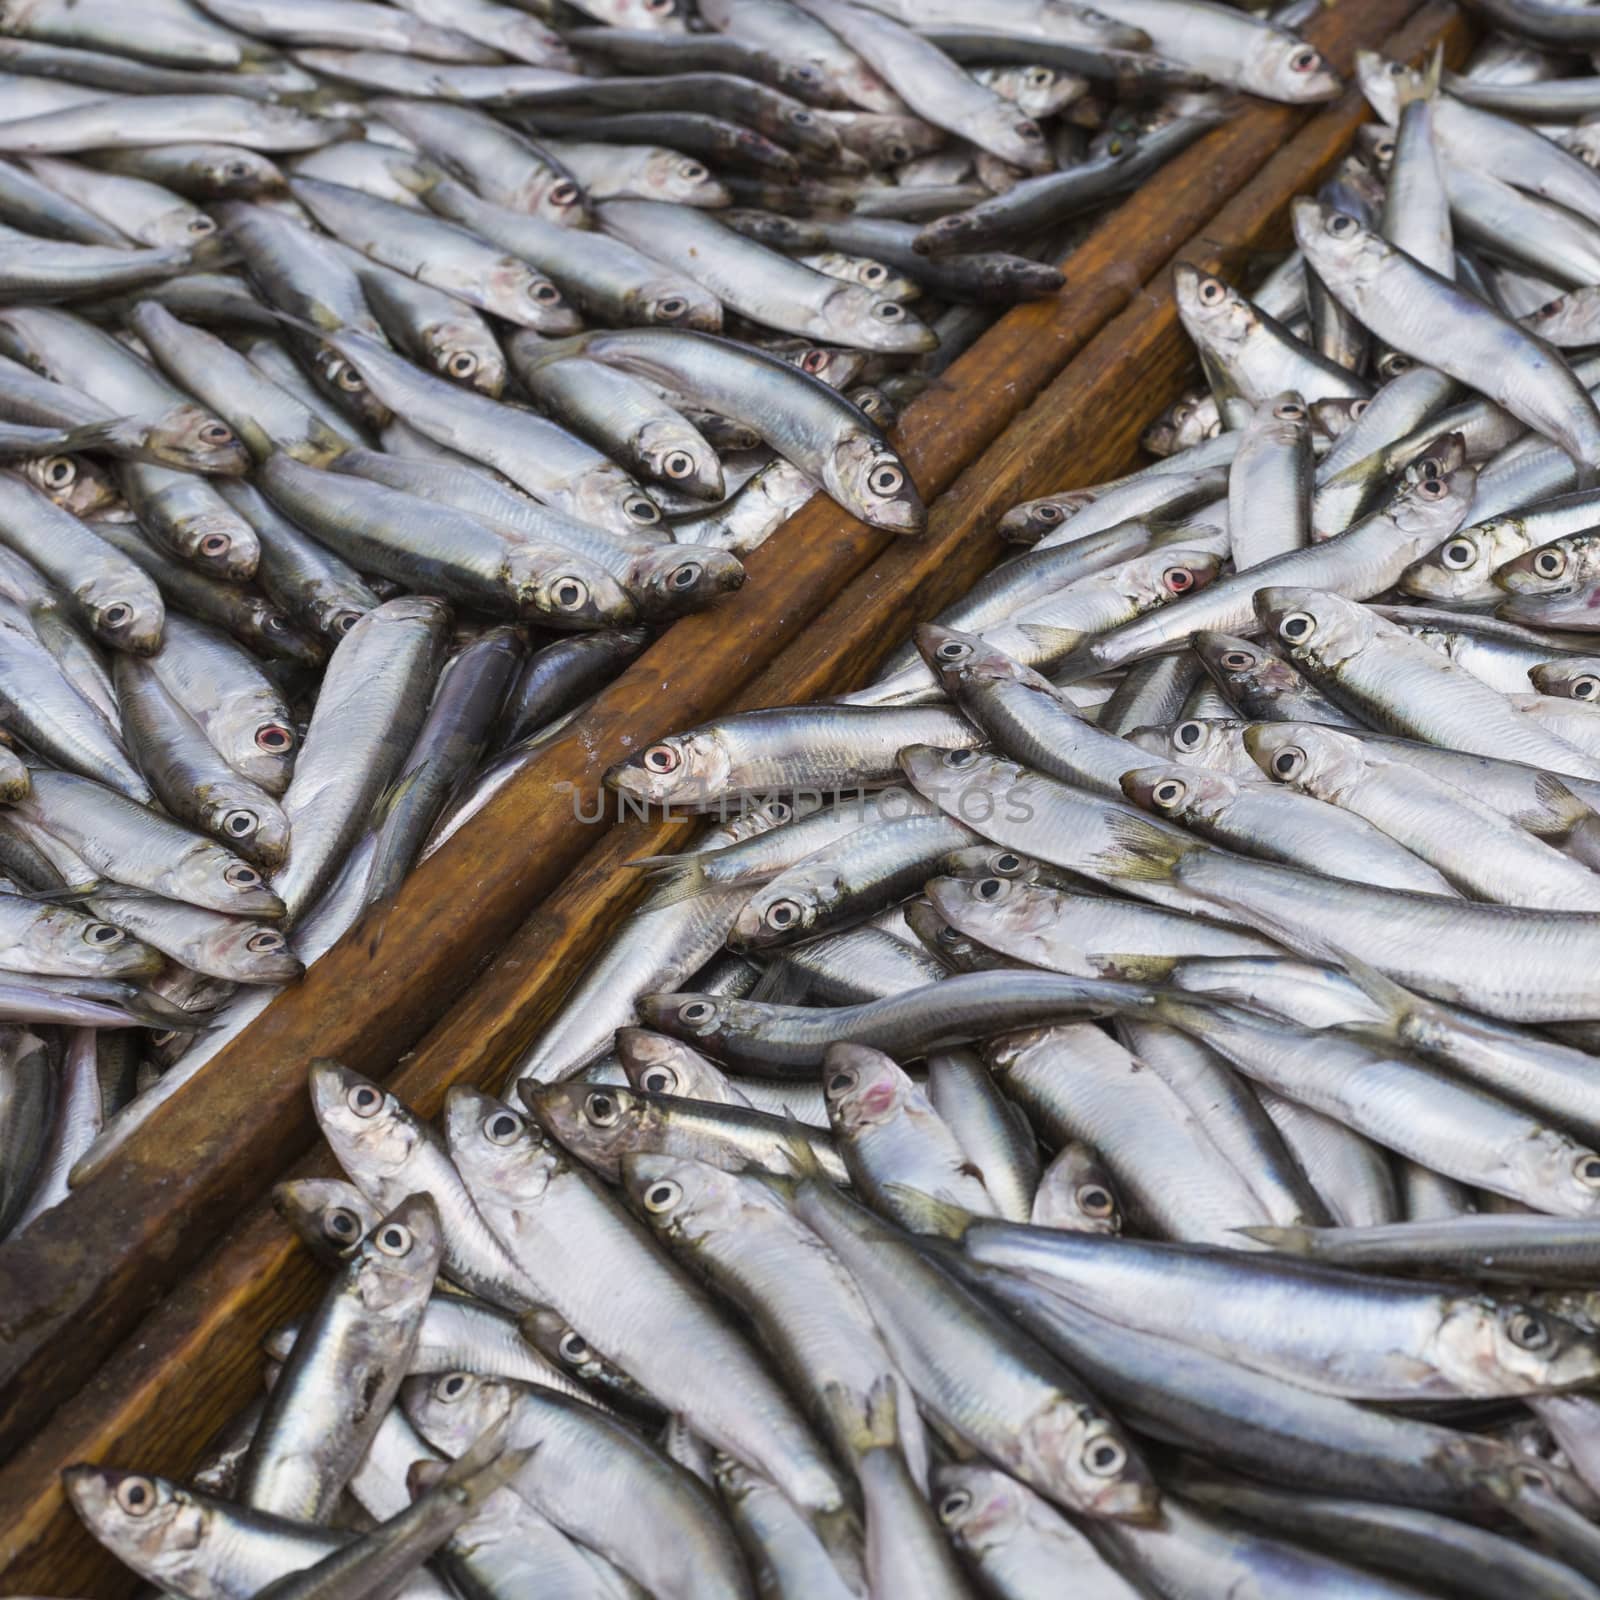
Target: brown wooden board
825,601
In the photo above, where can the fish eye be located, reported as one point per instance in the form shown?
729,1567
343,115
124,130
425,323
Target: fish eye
1237,660
1212,292
1341,224
842,1081
960,758
274,738
264,943
677,464
1049,512
215,545
502,1127
898,153
1304,61
641,508
990,888
102,935
692,171
782,914
949,937
662,1196
1168,793
564,192
340,1222
463,364
814,361
874,272
953,1503
697,1011
671,308
1393,364
1029,131
953,650
201,225
452,1385
544,292
1094,1200
60,471
238,874
1586,1169
661,8
1290,413
572,1346
779,811
346,620
346,377
1358,408
801,119
1551,307
686,577
1584,688
1039,77
661,758
602,1110
163,1039
392,1239
886,480
1188,735
1528,1331
659,1080
1297,626
1288,762
1459,554
1550,563
1105,1458
1178,579
117,615
570,593
1397,69
1433,489
889,311
365,1100
1006,862
136,1496
236,169
216,433
275,622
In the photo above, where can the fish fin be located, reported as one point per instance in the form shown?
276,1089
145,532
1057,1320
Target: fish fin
551,350
671,886
797,1151
1398,1001
384,806
1425,88
924,1213
1056,644
312,330
1141,852
653,864
1292,1240
105,435
782,984
864,1422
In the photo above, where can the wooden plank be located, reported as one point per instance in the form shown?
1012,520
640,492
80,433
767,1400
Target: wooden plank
195,1360
92,1266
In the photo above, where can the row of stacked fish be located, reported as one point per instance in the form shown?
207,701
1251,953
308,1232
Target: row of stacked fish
369,399
1111,1107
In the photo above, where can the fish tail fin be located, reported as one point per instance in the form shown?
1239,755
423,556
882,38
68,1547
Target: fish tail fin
672,884
924,1213
651,865
105,435
797,1151
1141,851
1425,87
1292,1240
864,1422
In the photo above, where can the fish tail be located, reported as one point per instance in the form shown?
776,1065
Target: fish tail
1291,1240
105,435
927,1214
864,1422
1141,852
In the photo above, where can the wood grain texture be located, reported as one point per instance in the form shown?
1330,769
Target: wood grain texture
824,602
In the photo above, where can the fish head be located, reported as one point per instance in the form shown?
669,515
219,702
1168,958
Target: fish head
1489,1346
1561,564
681,1198
677,302
152,1525
1283,419
975,861
671,579
862,1087
192,438
597,1122
1572,319
331,1217
963,660
686,1015
223,541
1003,130
1382,82
1198,742
75,483
1321,761
609,498
237,172
64,940
666,175
209,875
1243,666
462,349
1089,1460
392,1270
1185,423
1216,316
1576,678
979,1508
1435,491
125,611
498,1150
1076,1193
788,908
1179,792
529,299
253,952
1314,626
1159,577
1467,562
1029,522
836,368
986,902
680,457
667,16
1282,67
1339,246
1556,608
372,1134
658,1064
453,1410
1335,415
875,321
1569,1170
945,777
563,589
682,769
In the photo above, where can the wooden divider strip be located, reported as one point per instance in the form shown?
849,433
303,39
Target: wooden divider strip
196,1361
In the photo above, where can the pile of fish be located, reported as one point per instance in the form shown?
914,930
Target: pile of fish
376,381
1225,868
